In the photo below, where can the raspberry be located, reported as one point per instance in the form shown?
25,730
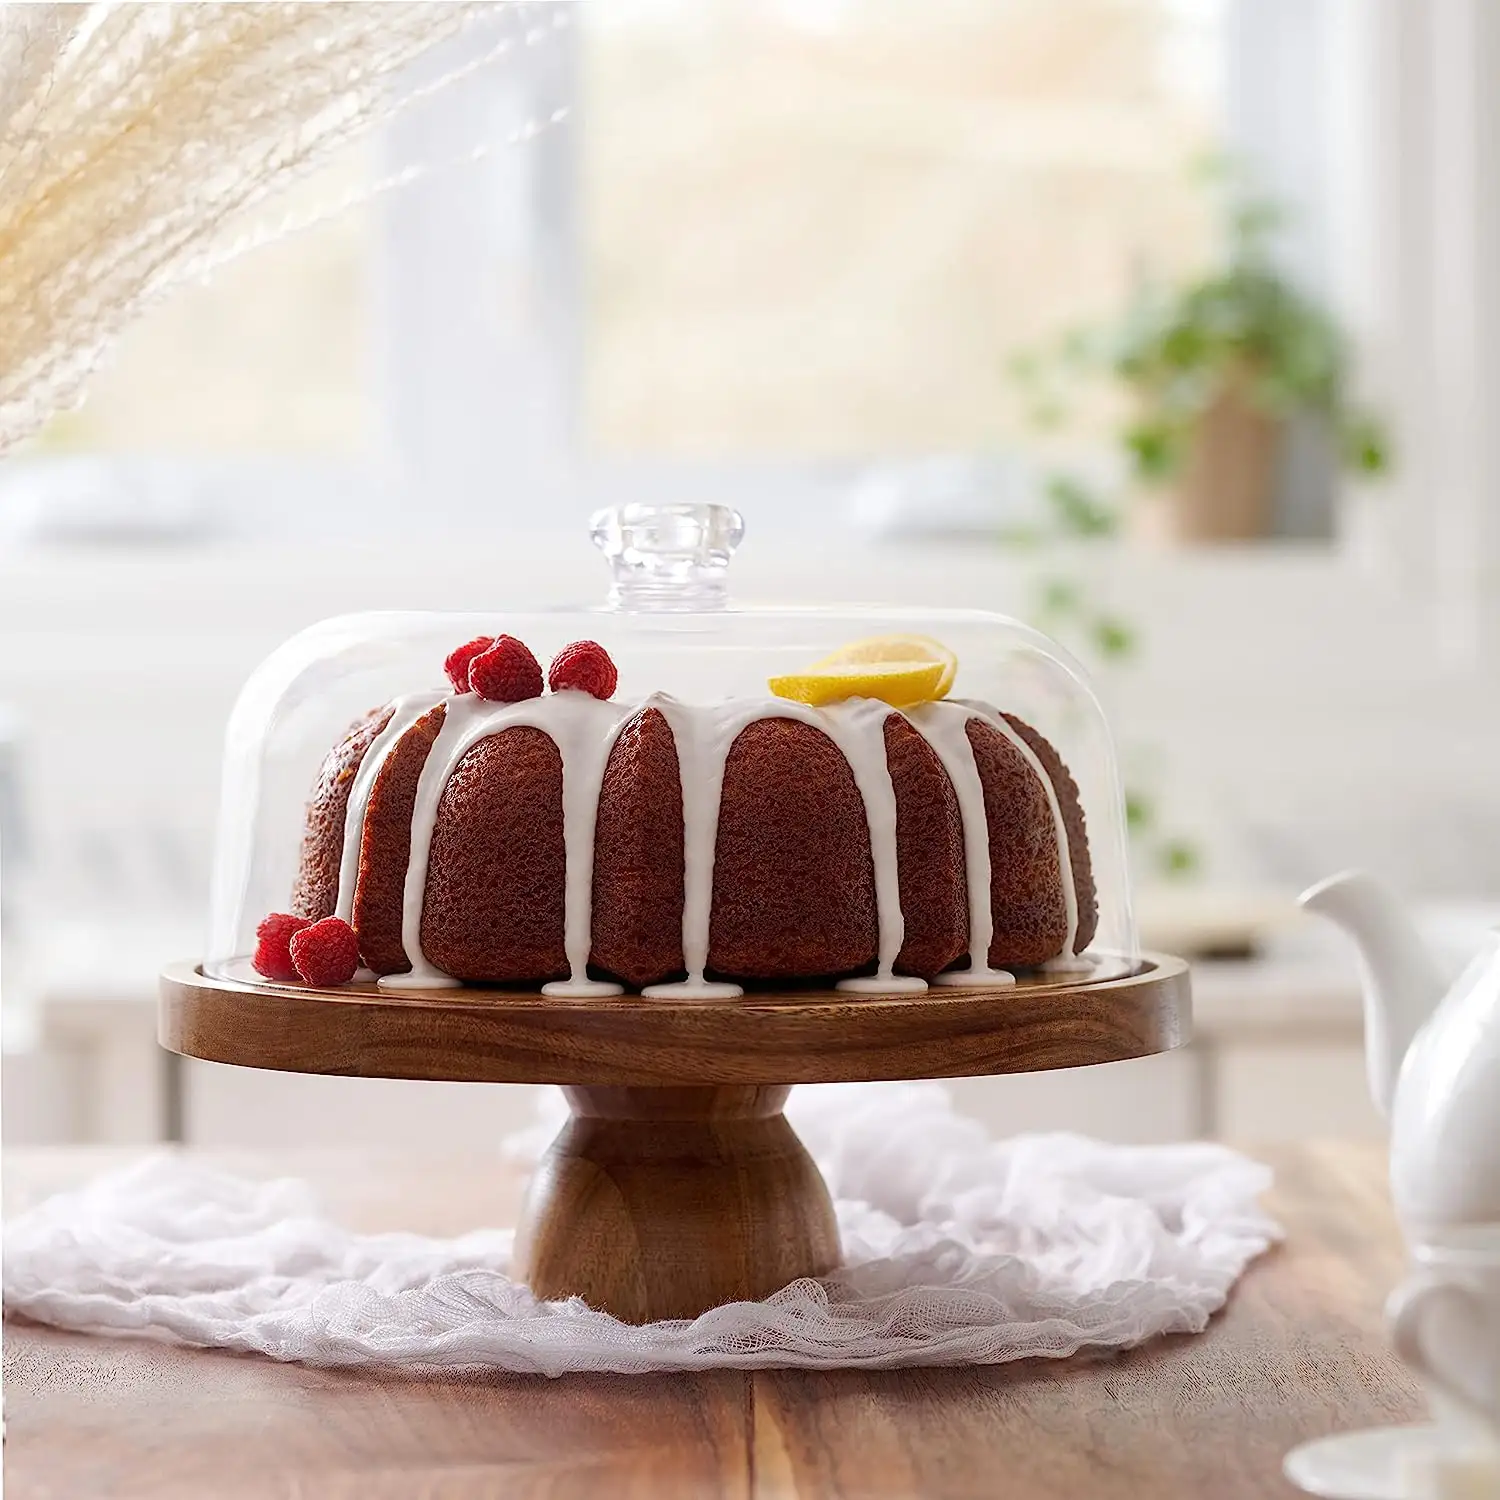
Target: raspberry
506,673
458,660
327,952
584,665
273,937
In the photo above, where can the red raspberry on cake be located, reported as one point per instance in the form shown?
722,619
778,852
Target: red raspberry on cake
326,952
273,956
507,672
586,666
459,660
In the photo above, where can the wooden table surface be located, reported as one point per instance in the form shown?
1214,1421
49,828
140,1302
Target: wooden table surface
1298,1353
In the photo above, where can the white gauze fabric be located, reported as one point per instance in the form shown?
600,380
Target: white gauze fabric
957,1250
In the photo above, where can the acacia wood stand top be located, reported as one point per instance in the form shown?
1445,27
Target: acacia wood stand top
1298,1354
773,1037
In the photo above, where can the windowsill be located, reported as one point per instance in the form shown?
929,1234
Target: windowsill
99,976
85,967
1291,998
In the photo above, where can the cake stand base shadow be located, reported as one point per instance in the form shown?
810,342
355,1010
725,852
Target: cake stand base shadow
663,1202
677,1183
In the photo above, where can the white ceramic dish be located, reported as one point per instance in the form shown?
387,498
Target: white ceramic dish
1390,1463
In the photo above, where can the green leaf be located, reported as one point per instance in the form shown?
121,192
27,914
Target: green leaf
1252,222
1077,347
1113,638
1184,347
1364,446
1140,812
1059,597
1019,536
1155,448
1178,859
1024,366
1047,415
1077,509
1213,168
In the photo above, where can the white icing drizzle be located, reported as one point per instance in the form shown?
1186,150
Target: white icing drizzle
590,729
944,726
992,715
704,737
583,728
404,713
857,727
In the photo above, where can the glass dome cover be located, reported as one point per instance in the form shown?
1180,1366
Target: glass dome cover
320,820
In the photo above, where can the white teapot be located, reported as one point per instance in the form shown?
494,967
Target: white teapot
1433,1061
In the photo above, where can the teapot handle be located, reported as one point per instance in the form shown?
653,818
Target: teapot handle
1407,1313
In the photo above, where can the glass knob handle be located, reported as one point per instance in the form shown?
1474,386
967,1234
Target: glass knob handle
668,557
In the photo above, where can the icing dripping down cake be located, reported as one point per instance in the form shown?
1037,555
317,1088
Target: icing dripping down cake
584,844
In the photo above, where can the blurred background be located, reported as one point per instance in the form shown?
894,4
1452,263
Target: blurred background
1170,325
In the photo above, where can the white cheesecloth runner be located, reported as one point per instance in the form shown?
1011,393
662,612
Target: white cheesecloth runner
958,1250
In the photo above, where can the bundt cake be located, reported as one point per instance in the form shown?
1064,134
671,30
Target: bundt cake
571,840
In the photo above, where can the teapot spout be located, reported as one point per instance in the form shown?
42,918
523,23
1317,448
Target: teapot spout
1402,985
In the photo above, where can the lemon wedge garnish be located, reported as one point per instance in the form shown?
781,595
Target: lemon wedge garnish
901,670
907,649
901,684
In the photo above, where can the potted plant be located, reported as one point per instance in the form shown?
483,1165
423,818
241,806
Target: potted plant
1213,368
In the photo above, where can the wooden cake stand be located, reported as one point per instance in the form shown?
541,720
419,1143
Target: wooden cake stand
677,1185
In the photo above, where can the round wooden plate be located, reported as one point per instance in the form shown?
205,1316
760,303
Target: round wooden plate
677,1185
780,1037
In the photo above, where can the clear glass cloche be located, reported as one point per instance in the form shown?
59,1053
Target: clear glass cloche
706,800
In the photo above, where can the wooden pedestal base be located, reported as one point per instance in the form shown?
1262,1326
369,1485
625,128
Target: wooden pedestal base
677,1185
664,1202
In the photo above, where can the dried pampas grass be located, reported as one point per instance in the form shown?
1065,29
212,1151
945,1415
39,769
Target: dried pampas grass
132,135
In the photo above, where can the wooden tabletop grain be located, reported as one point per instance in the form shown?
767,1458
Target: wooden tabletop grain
1298,1353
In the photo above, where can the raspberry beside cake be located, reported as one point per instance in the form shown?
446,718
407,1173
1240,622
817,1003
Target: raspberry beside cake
570,840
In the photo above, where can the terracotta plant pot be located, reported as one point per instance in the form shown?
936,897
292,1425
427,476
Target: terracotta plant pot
1225,490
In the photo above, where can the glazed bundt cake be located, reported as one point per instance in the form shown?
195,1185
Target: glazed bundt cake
572,840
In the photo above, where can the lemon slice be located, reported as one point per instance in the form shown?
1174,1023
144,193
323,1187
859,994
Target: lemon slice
899,683
907,650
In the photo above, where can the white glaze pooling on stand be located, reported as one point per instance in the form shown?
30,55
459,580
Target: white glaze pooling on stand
1069,963
404,713
584,731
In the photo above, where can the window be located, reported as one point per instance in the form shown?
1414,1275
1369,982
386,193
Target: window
783,233
269,357
821,228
